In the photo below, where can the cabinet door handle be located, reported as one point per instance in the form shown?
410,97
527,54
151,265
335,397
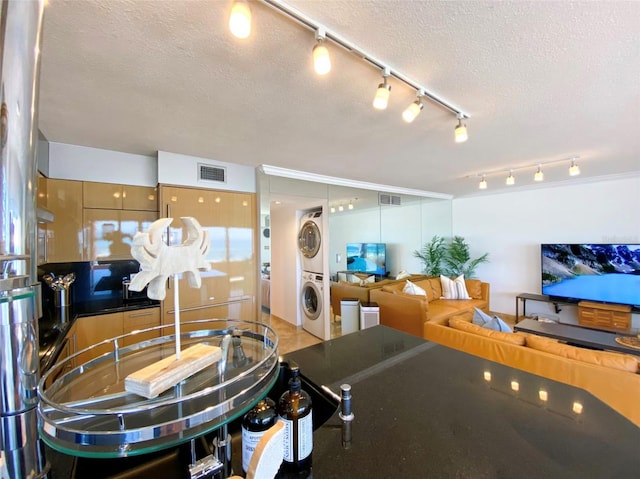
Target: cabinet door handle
138,315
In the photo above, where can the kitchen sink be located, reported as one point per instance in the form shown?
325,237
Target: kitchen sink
174,462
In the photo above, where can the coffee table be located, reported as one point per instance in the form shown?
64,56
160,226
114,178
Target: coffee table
575,335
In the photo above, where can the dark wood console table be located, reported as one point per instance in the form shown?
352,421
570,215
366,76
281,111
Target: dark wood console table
575,335
523,297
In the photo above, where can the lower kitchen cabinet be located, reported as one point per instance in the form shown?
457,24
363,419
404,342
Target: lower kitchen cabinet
91,330
140,319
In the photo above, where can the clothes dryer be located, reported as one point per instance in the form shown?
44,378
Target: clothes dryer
310,242
311,304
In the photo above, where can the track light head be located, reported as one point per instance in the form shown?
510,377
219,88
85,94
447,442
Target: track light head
539,176
511,180
460,132
381,100
483,183
321,58
240,19
414,109
574,169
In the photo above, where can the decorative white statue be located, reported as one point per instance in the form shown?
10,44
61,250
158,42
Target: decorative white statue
158,261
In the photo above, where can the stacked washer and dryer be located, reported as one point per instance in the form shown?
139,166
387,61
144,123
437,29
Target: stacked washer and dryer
312,262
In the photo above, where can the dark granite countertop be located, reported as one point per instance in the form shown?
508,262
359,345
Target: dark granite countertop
424,410
427,411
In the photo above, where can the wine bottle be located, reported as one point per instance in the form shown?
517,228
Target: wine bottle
295,410
254,424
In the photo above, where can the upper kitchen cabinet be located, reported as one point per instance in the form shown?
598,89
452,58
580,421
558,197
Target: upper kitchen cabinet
63,238
108,233
119,197
229,287
102,195
142,198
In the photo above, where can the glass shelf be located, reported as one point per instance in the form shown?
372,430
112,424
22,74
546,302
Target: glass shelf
85,411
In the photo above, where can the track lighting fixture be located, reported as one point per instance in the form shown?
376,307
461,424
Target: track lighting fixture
340,208
350,205
333,209
539,176
511,180
321,58
574,169
414,109
460,133
483,183
383,92
240,19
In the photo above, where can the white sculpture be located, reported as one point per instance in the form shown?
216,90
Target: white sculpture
158,261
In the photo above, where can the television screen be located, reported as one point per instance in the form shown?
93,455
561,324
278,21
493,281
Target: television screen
367,258
608,273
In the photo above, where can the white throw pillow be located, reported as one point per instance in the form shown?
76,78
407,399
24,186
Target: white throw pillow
368,279
411,288
454,288
402,275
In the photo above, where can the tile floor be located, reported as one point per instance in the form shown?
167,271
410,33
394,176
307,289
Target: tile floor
293,337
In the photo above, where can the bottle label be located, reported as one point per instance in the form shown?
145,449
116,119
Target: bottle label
249,442
305,437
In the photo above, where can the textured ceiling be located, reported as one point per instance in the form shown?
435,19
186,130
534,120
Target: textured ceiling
542,81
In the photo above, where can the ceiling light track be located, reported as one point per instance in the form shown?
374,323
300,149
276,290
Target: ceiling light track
311,24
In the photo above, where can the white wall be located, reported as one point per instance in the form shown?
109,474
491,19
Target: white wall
176,169
81,163
511,227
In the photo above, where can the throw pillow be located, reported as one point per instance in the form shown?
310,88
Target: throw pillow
453,288
402,275
480,317
368,279
411,288
498,324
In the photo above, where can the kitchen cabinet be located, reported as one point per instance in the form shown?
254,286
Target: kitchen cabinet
229,287
138,319
108,233
63,238
91,330
119,197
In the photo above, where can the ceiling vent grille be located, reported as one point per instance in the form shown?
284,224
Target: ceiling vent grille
212,173
387,199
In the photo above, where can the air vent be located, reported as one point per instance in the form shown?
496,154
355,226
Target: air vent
387,199
212,173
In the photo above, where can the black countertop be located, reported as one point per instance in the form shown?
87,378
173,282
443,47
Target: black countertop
424,410
427,411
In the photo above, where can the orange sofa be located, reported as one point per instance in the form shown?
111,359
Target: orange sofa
409,313
612,377
348,290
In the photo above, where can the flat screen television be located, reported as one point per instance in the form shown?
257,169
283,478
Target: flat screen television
607,273
367,258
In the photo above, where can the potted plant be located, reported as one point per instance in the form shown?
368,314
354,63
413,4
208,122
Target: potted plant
457,259
449,259
432,255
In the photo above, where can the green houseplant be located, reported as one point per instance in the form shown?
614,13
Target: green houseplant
448,258
457,259
432,254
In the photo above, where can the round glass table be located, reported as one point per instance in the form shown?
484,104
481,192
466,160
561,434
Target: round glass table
85,410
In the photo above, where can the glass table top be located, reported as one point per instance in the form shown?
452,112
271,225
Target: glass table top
85,410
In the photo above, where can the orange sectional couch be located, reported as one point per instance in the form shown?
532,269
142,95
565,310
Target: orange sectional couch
612,377
409,313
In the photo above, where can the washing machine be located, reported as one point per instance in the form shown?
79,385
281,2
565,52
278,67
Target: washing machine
310,242
311,304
